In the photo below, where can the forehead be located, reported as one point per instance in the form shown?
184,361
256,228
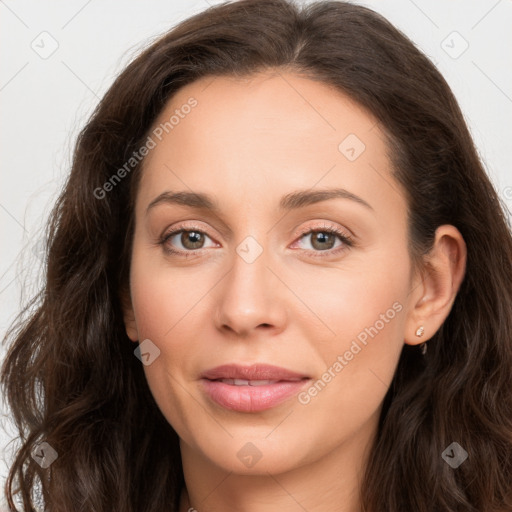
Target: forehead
275,130
262,106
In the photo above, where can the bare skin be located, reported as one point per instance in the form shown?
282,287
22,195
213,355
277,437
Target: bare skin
298,305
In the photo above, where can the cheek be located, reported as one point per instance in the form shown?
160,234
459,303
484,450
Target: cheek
360,337
165,317
165,299
349,304
171,305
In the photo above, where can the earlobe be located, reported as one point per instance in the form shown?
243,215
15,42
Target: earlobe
129,317
130,326
443,273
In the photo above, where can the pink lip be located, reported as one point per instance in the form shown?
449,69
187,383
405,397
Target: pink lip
251,372
247,398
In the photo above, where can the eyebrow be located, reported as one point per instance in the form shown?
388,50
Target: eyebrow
291,201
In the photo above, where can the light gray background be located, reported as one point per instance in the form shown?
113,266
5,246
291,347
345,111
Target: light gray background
45,100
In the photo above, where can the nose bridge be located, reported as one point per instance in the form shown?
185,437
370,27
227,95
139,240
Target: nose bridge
250,275
249,294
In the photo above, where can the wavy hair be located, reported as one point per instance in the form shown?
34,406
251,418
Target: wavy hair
70,375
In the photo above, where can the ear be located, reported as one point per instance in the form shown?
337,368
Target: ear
434,291
128,315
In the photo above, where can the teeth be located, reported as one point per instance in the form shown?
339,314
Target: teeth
243,382
261,382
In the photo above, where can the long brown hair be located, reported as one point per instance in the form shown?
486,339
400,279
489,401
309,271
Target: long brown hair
70,376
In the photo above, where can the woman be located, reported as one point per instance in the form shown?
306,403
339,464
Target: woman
196,347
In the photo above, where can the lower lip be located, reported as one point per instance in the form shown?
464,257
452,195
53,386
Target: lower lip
251,398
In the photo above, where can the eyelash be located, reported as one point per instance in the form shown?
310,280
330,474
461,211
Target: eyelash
346,239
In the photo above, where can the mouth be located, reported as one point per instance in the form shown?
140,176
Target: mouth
251,388
243,382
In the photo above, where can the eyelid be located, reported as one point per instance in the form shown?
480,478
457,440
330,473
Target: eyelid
326,226
195,225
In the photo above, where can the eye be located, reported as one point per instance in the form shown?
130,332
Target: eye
191,239
323,240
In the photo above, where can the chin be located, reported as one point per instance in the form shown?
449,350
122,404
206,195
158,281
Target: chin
251,455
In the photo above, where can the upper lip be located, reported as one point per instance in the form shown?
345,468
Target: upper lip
251,372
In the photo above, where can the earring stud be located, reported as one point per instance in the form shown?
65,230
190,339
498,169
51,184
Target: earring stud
420,332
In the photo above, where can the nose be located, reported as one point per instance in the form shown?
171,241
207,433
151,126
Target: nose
252,295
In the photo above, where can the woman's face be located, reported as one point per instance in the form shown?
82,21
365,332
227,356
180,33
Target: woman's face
319,286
